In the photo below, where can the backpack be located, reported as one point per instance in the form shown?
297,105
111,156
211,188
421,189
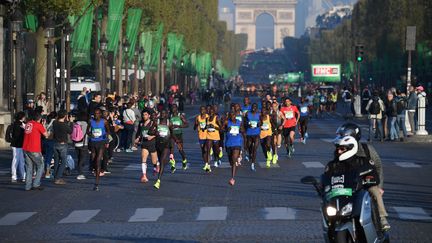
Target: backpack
9,133
77,133
375,107
401,105
347,95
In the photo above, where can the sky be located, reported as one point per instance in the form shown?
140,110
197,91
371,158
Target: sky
265,22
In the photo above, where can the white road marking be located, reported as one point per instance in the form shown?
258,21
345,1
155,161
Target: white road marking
412,213
263,165
327,140
135,166
212,213
146,215
4,172
79,216
407,165
15,218
279,213
313,164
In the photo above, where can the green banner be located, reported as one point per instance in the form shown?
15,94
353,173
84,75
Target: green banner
339,192
175,49
146,42
132,27
81,37
31,22
156,47
115,15
326,72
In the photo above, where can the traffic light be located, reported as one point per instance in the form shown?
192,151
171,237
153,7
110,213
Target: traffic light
359,52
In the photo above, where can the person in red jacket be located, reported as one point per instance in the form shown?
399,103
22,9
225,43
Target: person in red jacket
32,148
291,116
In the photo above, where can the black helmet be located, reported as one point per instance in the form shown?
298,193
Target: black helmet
349,129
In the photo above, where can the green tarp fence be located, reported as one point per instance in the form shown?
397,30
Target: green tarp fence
81,37
115,15
175,49
203,64
31,22
132,27
156,47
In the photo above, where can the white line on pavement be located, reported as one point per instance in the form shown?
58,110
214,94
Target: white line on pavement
135,166
212,213
146,215
4,172
327,140
79,216
15,218
279,213
412,213
313,164
407,165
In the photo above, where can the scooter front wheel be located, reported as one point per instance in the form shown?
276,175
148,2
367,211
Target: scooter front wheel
343,237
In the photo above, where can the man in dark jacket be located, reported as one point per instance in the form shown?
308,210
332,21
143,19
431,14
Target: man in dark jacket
18,162
391,112
62,128
412,107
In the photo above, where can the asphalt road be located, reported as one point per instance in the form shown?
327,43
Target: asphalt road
269,205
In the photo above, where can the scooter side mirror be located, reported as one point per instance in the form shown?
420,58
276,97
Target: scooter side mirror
309,180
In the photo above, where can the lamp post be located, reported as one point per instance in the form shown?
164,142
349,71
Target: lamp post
135,81
67,35
126,50
141,54
16,26
103,42
49,34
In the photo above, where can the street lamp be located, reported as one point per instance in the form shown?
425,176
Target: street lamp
141,53
103,43
135,80
182,63
16,27
126,51
49,34
164,58
67,35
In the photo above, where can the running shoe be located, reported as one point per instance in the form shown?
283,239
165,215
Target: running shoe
275,159
96,188
207,167
144,178
269,156
306,135
81,177
253,167
157,184
231,182
185,166
268,163
216,164
246,157
173,169
304,140
219,162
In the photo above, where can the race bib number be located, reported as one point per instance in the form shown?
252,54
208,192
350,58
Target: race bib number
163,132
145,133
97,132
253,124
211,129
265,126
202,125
303,109
235,130
176,123
289,114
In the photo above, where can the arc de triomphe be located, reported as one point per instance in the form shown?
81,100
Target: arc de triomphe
282,11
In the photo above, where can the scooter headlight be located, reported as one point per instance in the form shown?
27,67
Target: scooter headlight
347,209
331,211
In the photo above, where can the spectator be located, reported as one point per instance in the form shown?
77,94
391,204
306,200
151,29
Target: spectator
62,128
29,108
43,102
18,163
95,103
401,104
83,100
128,121
80,146
366,95
32,148
375,107
391,112
48,143
136,122
347,98
412,107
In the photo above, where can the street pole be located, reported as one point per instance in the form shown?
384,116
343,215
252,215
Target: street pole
2,56
16,26
410,46
63,70
103,48
126,57
421,115
49,34
67,32
135,80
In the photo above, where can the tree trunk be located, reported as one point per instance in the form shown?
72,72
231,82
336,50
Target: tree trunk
40,62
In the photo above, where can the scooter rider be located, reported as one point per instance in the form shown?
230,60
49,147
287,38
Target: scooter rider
346,159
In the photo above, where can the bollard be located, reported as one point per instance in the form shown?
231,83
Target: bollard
421,116
357,105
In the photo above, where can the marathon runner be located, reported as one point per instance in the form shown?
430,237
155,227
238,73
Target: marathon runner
234,130
98,132
266,135
278,118
147,131
252,133
201,126
178,122
291,116
163,136
304,119
213,137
